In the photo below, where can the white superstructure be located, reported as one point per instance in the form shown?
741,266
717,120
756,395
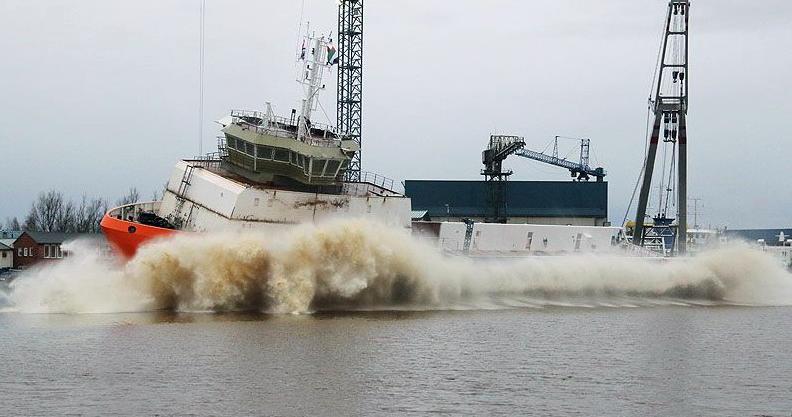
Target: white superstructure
212,202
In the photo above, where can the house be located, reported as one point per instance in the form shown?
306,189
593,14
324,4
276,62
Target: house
6,256
30,248
7,239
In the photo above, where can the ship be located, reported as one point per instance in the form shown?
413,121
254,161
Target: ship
271,173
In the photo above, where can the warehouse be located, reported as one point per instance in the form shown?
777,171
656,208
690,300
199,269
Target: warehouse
575,203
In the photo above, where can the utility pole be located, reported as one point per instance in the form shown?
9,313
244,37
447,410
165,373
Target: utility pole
695,201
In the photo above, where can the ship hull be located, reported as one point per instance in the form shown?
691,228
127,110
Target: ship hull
126,237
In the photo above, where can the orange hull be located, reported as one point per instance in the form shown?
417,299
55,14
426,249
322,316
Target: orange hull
127,237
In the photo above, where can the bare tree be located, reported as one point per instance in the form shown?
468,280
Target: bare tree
88,214
51,213
45,213
131,197
65,220
12,223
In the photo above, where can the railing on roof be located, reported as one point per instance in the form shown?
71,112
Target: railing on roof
273,125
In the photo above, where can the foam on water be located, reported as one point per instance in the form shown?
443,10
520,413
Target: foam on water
355,265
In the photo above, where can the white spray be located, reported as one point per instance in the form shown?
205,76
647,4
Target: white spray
359,265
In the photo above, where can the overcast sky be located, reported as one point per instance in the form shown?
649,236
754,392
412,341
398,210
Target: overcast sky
98,96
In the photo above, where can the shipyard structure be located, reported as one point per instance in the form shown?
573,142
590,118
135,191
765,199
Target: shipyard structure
576,203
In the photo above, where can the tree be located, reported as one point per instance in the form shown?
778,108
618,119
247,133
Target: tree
50,213
12,223
65,219
44,212
88,214
131,197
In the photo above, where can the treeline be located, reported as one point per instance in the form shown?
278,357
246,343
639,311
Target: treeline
52,212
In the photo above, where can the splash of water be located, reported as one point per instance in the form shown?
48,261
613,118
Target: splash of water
359,265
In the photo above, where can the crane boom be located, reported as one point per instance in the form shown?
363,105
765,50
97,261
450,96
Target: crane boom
581,170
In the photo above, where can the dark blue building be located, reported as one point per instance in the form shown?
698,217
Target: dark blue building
538,202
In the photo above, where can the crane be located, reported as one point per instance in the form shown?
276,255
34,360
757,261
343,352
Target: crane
580,170
502,146
668,105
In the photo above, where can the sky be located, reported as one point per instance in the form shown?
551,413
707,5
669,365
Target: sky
100,96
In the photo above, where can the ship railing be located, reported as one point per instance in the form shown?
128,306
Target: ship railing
208,161
131,212
372,183
222,147
272,125
377,179
644,252
326,141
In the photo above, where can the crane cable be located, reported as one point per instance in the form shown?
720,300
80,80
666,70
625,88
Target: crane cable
643,167
655,76
201,78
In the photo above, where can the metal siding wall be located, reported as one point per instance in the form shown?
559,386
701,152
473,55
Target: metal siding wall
523,198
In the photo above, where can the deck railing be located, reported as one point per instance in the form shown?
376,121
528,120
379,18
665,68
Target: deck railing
131,212
272,125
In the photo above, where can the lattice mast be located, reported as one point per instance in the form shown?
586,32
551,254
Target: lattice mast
669,104
350,79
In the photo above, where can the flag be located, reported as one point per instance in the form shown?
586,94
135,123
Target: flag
331,54
302,52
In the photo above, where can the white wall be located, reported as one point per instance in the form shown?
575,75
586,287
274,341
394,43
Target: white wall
8,261
222,204
528,238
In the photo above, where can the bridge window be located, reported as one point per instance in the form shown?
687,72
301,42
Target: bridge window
281,155
263,152
332,168
250,149
317,167
231,143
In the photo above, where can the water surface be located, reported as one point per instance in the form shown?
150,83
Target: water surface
671,360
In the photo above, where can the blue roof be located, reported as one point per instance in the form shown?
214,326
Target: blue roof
523,198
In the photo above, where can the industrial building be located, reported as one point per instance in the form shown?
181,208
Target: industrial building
769,237
576,203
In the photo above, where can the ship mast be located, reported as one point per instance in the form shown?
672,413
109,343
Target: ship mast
316,54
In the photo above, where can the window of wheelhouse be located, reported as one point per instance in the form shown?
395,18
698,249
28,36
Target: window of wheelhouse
317,167
281,155
332,168
263,152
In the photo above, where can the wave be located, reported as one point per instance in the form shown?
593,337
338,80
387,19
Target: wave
356,265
